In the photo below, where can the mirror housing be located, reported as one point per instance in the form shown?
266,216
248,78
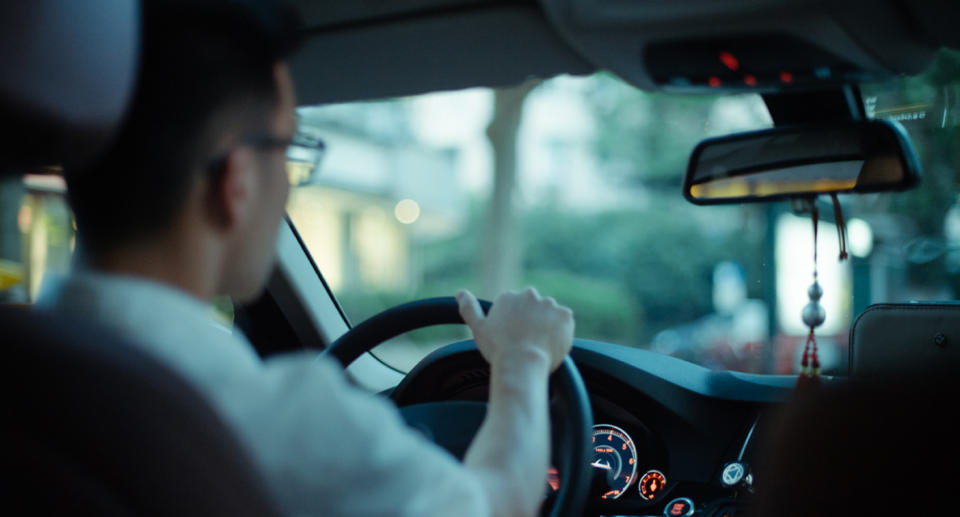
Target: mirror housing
801,161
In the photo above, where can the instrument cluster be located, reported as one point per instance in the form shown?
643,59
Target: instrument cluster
617,464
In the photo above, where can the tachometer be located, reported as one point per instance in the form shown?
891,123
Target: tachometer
614,452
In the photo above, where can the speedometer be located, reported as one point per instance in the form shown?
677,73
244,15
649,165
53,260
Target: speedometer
614,452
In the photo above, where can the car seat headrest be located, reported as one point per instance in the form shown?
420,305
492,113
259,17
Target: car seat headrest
69,70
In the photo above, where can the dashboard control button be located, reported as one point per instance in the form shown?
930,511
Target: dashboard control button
733,473
679,507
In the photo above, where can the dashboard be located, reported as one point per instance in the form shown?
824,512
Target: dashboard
670,437
688,459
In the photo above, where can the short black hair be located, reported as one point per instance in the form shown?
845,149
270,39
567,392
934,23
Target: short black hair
200,59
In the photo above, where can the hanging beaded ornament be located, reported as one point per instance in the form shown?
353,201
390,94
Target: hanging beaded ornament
813,314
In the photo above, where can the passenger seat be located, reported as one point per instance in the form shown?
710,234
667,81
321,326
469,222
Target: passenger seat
898,338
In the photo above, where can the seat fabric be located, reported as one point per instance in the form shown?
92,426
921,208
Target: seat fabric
94,426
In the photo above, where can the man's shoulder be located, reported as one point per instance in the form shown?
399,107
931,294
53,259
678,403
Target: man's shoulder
64,289
170,324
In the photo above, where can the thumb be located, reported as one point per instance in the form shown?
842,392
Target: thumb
470,309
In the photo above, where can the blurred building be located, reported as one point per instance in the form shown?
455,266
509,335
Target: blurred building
373,195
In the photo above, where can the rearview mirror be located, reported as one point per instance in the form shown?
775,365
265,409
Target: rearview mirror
778,163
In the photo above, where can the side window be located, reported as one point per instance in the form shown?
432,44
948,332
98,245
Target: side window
38,238
37,235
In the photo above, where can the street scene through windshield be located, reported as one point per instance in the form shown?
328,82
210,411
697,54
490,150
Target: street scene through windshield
573,185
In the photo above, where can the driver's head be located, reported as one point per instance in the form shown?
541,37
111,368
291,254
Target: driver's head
199,164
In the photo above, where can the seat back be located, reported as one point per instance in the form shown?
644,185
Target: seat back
91,425
94,426
893,338
872,446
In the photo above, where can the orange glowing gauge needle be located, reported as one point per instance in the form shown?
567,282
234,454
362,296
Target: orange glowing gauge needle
610,493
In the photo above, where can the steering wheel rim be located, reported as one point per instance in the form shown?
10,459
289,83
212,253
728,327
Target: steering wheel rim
571,415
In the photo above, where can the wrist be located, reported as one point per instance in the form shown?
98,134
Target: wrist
521,359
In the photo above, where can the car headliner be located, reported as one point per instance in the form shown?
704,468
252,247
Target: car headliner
371,49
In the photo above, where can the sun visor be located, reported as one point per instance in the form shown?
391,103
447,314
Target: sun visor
68,73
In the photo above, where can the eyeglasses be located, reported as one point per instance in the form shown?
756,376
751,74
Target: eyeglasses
268,141
303,157
304,153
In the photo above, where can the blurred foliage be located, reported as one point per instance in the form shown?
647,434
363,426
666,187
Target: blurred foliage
626,274
223,309
924,209
604,309
641,138
646,138
649,258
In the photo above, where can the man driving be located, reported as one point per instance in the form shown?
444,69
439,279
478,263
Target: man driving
186,206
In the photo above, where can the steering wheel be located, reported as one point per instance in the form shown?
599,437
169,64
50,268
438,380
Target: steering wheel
448,422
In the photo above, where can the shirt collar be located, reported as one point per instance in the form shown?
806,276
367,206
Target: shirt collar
140,309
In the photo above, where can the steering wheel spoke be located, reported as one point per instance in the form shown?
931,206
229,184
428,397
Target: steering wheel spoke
449,424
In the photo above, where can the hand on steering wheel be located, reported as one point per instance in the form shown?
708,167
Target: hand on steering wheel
570,409
519,324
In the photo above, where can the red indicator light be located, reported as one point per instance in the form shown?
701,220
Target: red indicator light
786,77
678,509
750,80
714,82
729,61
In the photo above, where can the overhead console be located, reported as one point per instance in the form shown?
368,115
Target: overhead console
700,46
761,62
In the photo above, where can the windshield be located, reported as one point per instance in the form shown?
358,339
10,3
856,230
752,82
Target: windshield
573,185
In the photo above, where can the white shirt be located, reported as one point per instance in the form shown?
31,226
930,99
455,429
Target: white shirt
324,446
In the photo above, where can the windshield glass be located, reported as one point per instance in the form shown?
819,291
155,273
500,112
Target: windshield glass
573,185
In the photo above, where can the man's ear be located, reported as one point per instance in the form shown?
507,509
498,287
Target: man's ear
232,192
